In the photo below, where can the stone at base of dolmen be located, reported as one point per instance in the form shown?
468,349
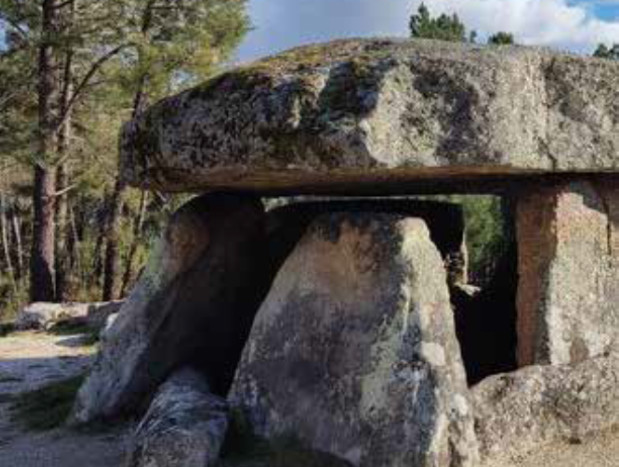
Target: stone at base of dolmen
354,351
193,305
568,293
518,412
185,425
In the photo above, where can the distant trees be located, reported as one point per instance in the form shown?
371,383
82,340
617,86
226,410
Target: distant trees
501,38
444,27
449,28
70,72
604,51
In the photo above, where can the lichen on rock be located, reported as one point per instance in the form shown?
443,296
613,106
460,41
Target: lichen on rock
365,112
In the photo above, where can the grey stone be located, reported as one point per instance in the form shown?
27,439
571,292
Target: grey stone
194,304
382,116
185,425
518,412
99,316
354,352
288,221
568,294
42,315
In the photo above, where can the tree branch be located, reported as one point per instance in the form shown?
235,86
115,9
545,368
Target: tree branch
15,25
94,68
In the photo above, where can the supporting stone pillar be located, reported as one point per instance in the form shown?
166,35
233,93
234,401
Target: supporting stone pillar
193,305
354,351
568,292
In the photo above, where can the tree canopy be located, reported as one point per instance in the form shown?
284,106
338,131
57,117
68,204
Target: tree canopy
501,38
608,52
444,27
70,72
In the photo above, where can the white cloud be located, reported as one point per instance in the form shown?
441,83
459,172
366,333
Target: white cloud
553,23
563,24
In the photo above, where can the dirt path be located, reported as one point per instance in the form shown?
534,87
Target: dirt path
28,361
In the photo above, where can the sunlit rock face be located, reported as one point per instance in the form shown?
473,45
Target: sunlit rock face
354,351
544,404
193,305
568,293
381,116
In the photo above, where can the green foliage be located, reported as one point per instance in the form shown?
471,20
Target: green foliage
604,51
6,329
445,27
501,38
45,408
112,57
485,234
88,336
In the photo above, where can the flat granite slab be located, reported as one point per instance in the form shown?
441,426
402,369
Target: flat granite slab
382,115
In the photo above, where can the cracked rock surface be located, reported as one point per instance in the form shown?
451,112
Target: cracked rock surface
380,114
354,351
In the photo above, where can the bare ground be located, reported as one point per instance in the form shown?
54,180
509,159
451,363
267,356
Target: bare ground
29,360
601,451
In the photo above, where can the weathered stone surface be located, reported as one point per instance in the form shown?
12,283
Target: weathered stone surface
518,412
354,352
193,305
381,115
99,316
568,294
185,425
43,315
288,223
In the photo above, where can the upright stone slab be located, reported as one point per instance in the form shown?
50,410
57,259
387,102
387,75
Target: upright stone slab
445,221
354,351
568,293
194,305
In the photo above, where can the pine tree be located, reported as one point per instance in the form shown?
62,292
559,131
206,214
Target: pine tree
446,27
610,53
64,58
501,38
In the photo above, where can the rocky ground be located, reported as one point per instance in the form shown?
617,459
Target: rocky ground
31,360
27,362
603,451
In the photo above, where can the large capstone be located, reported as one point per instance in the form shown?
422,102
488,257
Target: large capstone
568,294
381,116
194,305
354,352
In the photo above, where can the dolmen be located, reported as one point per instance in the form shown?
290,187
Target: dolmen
335,320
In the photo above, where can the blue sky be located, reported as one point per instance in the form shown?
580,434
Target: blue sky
576,25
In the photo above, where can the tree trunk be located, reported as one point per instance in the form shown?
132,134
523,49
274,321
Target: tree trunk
137,234
62,181
42,259
43,238
62,254
74,246
110,271
6,248
19,253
